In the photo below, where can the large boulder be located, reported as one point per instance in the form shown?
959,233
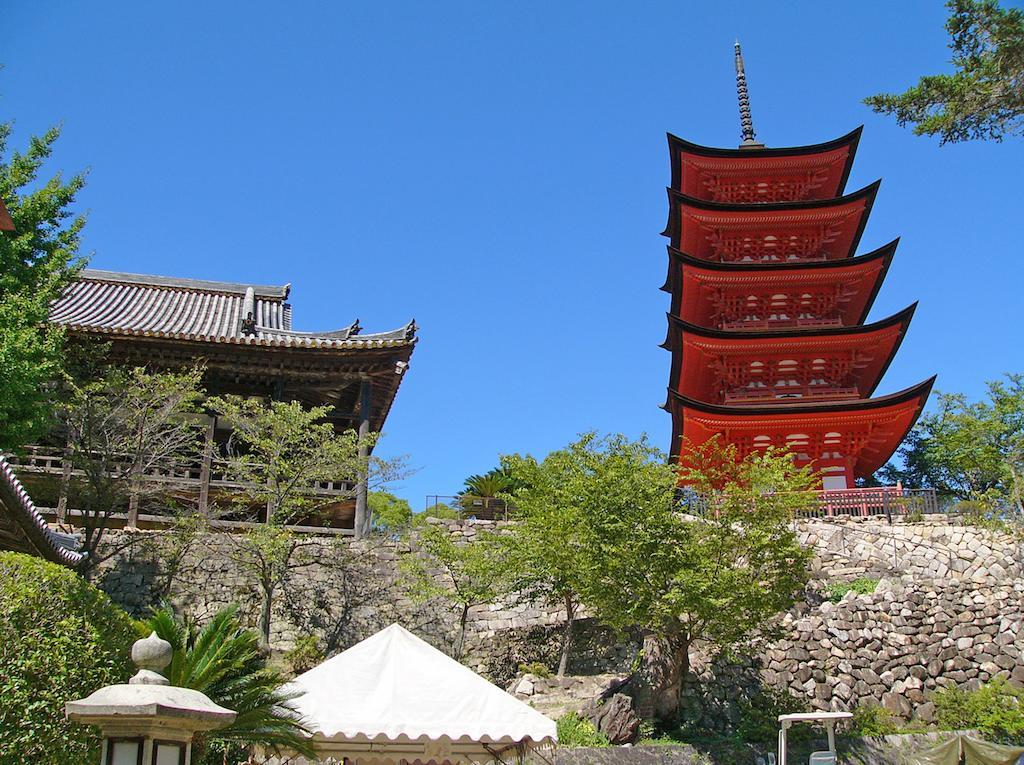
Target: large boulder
615,718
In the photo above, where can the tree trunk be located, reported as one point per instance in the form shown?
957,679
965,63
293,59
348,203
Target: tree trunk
461,639
266,607
570,618
657,686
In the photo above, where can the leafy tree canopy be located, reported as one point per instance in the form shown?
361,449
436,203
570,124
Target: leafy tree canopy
36,261
548,544
118,430
984,97
464,574
279,450
716,577
971,450
390,513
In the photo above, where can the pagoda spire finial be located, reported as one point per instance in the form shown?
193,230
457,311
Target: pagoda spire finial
746,121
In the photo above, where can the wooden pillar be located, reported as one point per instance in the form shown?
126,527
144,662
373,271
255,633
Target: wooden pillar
362,520
65,487
204,471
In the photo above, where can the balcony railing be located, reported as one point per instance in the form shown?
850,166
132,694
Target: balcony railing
889,501
814,392
198,482
780,323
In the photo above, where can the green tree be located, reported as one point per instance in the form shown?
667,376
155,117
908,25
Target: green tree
716,577
984,97
388,512
548,544
119,431
60,640
278,453
37,260
223,660
971,450
465,574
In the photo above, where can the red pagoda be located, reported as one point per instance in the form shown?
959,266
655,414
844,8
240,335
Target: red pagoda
767,324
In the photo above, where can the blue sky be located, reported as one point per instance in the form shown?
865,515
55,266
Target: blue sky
497,171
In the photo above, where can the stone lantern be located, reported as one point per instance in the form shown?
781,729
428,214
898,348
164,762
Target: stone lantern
148,721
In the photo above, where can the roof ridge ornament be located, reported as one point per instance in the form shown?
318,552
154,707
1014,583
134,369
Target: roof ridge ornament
248,322
746,120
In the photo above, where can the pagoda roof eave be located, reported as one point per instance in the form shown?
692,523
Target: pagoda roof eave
868,192
905,405
902,317
678,201
679,261
678,328
679,146
885,251
919,391
852,139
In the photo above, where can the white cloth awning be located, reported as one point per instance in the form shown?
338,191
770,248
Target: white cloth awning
394,688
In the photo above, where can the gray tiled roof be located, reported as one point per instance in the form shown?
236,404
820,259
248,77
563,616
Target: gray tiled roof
114,303
23,529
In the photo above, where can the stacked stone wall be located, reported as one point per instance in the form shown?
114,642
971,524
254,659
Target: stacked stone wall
948,611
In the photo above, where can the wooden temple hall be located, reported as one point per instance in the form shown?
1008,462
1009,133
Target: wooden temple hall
768,321
243,336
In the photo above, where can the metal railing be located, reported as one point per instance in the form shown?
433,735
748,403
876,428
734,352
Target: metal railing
470,506
888,501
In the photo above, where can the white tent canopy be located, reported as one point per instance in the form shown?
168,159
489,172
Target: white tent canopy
394,697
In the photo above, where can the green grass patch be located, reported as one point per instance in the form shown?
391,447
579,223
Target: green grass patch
863,586
574,730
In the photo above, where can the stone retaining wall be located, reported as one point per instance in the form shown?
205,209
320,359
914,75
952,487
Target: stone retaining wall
937,547
949,611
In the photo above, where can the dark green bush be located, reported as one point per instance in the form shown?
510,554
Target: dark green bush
996,709
60,639
574,730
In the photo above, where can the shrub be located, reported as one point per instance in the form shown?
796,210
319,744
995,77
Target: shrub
535,668
862,586
574,730
995,709
304,655
60,639
759,716
872,720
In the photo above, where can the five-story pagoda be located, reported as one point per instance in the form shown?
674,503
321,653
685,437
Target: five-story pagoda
769,302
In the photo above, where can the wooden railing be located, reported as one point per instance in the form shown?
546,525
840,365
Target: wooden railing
196,480
780,323
817,392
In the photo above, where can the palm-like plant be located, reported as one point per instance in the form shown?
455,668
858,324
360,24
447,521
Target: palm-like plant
223,660
490,484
